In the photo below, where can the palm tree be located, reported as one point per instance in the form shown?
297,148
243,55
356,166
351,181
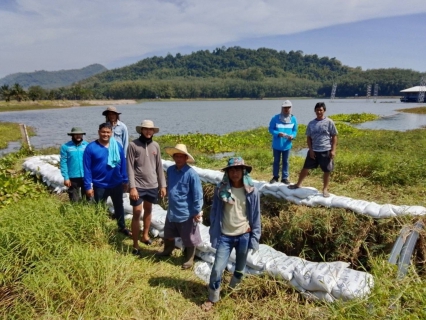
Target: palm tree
5,92
18,92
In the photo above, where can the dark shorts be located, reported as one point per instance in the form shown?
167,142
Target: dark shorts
322,159
149,195
188,230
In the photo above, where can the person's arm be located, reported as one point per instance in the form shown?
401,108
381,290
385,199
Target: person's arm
123,166
197,193
311,151
160,173
295,128
87,167
256,224
130,162
333,146
64,165
125,139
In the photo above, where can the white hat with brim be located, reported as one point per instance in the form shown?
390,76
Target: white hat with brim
149,124
110,109
287,104
179,148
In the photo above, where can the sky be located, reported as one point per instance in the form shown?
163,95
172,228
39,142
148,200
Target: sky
71,34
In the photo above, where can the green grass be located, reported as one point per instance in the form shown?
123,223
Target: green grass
59,260
10,132
418,110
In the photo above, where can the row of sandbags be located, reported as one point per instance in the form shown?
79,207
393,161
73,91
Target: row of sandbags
312,197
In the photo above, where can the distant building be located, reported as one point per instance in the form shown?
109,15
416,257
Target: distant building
412,94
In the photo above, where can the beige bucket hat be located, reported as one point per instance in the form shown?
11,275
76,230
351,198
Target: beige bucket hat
110,109
179,148
147,124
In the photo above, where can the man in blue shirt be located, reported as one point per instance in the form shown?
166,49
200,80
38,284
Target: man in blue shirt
185,205
72,164
283,128
105,168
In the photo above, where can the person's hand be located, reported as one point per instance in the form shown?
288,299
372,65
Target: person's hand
312,154
332,154
289,137
125,187
133,194
281,134
163,192
90,193
252,251
67,183
198,217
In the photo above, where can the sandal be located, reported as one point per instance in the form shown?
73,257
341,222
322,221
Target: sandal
136,252
293,187
126,232
207,306
147,242
325,194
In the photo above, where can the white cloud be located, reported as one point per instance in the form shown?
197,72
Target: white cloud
53,35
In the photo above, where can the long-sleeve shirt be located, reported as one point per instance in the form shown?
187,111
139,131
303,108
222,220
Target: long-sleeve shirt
253,216
97,170
276,126
185,193
144,165
72,159
121,134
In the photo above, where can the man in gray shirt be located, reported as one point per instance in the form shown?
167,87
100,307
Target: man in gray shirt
322,141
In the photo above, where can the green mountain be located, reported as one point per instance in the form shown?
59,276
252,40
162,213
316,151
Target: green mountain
238,73
52,79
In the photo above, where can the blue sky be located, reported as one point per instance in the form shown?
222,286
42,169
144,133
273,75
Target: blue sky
42,35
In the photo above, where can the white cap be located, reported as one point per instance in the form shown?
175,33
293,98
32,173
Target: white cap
287,103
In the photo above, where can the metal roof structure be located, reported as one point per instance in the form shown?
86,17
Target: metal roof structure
415,89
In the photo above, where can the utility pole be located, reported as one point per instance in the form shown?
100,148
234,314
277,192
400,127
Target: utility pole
333,92
368,92
421,97
376,91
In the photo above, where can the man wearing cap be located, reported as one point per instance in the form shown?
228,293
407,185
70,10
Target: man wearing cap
105,172
72,164
146,176
234,223
121,134
283,128
185,205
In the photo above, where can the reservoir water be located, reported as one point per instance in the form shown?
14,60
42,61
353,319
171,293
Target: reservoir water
217,117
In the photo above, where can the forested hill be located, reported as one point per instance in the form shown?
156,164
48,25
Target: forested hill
52,79
237,73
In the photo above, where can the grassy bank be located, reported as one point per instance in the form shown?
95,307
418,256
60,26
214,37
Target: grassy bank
55,104
418,110
66,261
10,132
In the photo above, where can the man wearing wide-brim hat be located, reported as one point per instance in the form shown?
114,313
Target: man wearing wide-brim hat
185,195
120,132
146,178
71,164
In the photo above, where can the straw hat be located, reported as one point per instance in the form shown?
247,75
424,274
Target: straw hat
237,162
76,130
179,148
110,109
147,124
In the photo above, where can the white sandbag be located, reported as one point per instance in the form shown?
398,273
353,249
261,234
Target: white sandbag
296,285
340,202
154,232
158,217
373,210
205,256
294,200
254,271
230,267
253,260
414,210
352,284
318,295
303,192
270,192
283,267
325,275
321,201
271,187
283,189
203,270
267,253
389,210
178,242
205,238
358,206
310,201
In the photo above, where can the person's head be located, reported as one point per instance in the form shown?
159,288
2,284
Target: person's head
286,108
105,132
320,110
147,129
111,114
76,135
236,169
180,155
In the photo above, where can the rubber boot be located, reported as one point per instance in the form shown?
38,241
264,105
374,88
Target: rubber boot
234,282
169,246
214,295
189,257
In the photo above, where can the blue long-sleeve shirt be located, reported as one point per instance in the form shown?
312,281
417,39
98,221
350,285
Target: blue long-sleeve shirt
97,170
185,193
72,159
276,126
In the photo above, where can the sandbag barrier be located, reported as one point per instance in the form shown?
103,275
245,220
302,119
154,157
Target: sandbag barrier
326,281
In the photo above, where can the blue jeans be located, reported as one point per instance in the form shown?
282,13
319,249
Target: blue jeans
223,251
116,194
276,167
